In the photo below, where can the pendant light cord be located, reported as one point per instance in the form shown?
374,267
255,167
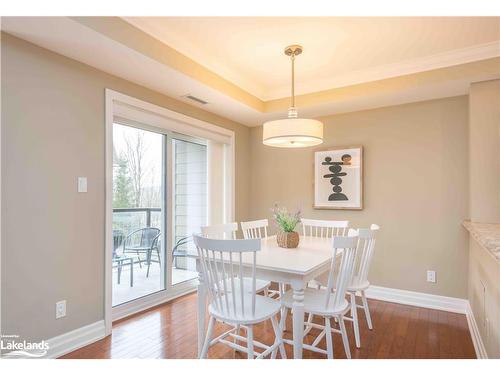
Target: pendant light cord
293,79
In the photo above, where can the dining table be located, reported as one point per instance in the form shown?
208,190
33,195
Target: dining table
292,267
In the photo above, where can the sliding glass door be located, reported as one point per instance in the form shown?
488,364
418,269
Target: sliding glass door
138,259
159,201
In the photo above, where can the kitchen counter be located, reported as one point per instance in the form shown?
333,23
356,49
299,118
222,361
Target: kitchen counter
487,235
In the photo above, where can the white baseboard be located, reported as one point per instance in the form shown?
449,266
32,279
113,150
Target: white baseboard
432,301
67,342
407,297
475,335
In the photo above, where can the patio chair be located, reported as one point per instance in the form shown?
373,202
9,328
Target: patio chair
143,241
119,260
177,251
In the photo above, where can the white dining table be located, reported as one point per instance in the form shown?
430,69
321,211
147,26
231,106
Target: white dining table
294,267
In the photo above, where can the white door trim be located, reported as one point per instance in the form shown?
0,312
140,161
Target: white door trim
172,121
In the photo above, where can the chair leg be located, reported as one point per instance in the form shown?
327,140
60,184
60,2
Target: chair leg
237,332
250,341
159,260
284,313
345,339
119,271
147,272
131,272
208,337
139,257
329,342
278,339
308,324
355,323
367,310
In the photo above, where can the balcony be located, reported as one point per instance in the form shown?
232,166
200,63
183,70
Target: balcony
137,239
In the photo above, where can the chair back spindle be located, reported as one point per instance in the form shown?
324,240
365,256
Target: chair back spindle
341,269
324,228
223,269
255,229
220,231
364,254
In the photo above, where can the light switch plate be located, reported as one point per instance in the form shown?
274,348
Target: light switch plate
431,276
82,184
60,309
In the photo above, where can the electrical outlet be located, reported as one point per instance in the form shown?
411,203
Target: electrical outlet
60,309
431,276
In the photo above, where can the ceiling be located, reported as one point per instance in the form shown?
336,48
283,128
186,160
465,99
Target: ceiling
237,64
249,50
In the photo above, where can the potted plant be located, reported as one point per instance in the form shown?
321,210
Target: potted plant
286,222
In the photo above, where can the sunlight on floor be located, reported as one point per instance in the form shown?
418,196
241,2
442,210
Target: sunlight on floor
143,285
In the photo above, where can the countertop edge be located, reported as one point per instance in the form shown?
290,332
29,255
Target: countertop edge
487,235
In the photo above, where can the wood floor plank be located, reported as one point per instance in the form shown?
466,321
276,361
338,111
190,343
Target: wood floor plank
399,331
433,335
422,334
410,340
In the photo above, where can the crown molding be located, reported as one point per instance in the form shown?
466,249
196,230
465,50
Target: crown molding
441,60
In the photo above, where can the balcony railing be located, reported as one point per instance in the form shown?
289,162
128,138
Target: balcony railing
130,219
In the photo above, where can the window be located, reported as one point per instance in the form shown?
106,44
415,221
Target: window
190,203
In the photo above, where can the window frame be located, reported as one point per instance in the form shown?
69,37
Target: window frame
126,110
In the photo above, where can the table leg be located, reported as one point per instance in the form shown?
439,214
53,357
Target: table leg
298,321
202,303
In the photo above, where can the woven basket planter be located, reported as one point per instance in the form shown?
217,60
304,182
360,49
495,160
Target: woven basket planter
288,240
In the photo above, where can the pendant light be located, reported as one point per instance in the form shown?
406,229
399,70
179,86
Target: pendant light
293,132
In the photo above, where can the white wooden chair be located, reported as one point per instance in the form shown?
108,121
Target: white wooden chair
255,229
231,301
258,229
220,231
330,302
324,228
359,282
228,232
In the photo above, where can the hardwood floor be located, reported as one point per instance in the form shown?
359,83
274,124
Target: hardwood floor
400,331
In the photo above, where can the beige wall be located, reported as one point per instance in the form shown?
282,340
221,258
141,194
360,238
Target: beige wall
484,151
415,183
53,238
416,187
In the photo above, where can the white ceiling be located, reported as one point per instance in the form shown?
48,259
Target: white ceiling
338,51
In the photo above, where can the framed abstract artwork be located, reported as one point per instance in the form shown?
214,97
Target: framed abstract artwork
338,178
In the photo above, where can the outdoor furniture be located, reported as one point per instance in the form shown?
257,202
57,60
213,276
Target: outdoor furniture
143,241
177,251
119,260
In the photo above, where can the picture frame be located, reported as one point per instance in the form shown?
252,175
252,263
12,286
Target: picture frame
338,178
